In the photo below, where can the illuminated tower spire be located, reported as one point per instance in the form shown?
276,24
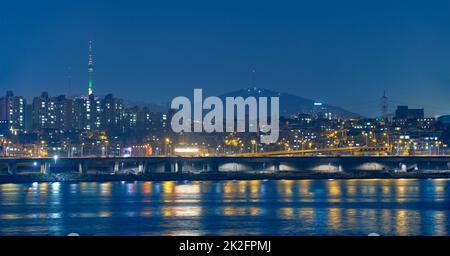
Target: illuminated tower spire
90,70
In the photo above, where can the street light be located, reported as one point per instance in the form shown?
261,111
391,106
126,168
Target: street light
106,146
254,146
82,149
167,142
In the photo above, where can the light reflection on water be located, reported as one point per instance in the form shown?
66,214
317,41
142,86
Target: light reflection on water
286,207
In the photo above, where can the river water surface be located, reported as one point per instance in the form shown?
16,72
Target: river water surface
285,207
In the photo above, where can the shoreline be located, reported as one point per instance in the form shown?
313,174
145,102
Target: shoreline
73,178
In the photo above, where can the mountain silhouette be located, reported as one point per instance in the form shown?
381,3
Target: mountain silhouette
291,104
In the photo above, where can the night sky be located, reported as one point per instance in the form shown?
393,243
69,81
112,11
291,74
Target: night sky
340,52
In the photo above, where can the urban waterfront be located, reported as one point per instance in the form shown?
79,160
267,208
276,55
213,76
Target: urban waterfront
284,207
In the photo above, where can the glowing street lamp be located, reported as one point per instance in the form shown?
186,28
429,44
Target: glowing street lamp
167,143
254,148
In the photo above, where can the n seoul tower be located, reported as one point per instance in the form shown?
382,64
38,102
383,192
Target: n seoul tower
90,70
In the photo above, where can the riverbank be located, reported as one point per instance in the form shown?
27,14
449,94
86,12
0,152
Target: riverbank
65,177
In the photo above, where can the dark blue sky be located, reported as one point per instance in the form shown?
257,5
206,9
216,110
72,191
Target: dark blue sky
340,52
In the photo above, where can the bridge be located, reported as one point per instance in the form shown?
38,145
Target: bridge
328,151
268,164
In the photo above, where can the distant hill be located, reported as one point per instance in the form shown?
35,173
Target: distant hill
290,104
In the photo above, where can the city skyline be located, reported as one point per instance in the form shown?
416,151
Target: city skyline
164,107
307,50
210,119
92,101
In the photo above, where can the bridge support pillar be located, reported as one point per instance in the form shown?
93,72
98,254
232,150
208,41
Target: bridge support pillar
179,166
116,167
141,167
45,167
12,168
276,167
146,167
83,167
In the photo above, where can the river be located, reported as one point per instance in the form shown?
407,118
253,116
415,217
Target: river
284,207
